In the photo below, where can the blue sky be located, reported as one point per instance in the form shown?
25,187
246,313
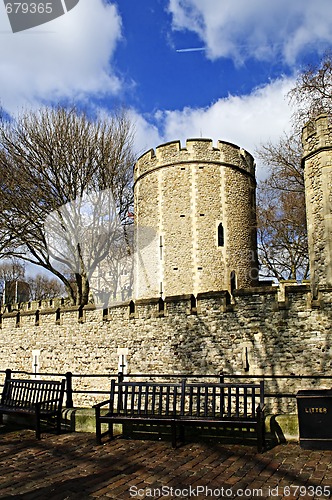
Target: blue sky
103,54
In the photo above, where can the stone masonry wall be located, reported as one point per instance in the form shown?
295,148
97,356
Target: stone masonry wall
277,331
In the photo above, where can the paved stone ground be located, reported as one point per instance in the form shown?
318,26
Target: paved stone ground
71,466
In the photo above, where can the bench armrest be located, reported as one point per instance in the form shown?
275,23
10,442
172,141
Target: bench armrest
103,403
260,409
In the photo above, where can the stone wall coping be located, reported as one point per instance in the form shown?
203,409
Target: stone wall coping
297,289
143,302
266,290
178,298
13,314
26,313
120,304
213,294
66,309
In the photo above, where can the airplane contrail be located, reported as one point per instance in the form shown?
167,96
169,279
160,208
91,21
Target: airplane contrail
194,49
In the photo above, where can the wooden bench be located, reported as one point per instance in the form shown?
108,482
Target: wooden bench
38,399
228,405
184,404
142,402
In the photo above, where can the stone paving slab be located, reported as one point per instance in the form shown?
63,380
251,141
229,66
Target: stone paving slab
72,466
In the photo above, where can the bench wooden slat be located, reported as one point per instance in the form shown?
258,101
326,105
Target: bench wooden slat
253,401
229,402
245,401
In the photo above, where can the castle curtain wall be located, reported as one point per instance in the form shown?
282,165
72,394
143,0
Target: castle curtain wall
282,330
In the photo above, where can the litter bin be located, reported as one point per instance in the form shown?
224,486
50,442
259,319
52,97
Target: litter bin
314,410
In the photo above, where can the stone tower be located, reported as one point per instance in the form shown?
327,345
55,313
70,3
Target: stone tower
317,163
196,219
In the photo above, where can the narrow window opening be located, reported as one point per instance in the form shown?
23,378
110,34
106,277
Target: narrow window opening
122,360
245,358
37,318
57,316
221,240
131,309
233,281
35,363
161,306
193,305
18,319
161,248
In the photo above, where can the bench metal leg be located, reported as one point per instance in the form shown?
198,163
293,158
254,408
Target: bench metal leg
110,430
58,424
37,422
173,429
182,433
261,442
260,431
98,426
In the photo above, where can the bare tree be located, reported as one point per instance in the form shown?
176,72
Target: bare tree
11,272
282,224
282,236
49,159
282,233
41,287
312,93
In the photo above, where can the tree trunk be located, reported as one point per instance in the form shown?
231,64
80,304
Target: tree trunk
83,289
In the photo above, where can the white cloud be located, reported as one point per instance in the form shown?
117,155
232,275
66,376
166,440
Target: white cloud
147,135
260,29
65,58
249,120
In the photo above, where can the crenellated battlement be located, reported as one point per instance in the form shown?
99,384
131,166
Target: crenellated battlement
317,134
36,305
196,151
58,312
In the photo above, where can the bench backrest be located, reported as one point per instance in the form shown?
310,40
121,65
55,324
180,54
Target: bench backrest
145,398
222,400
187,398
26,393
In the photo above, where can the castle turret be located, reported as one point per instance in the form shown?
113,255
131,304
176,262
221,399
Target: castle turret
317,163
196,219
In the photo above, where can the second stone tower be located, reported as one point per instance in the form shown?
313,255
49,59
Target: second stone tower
195,215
